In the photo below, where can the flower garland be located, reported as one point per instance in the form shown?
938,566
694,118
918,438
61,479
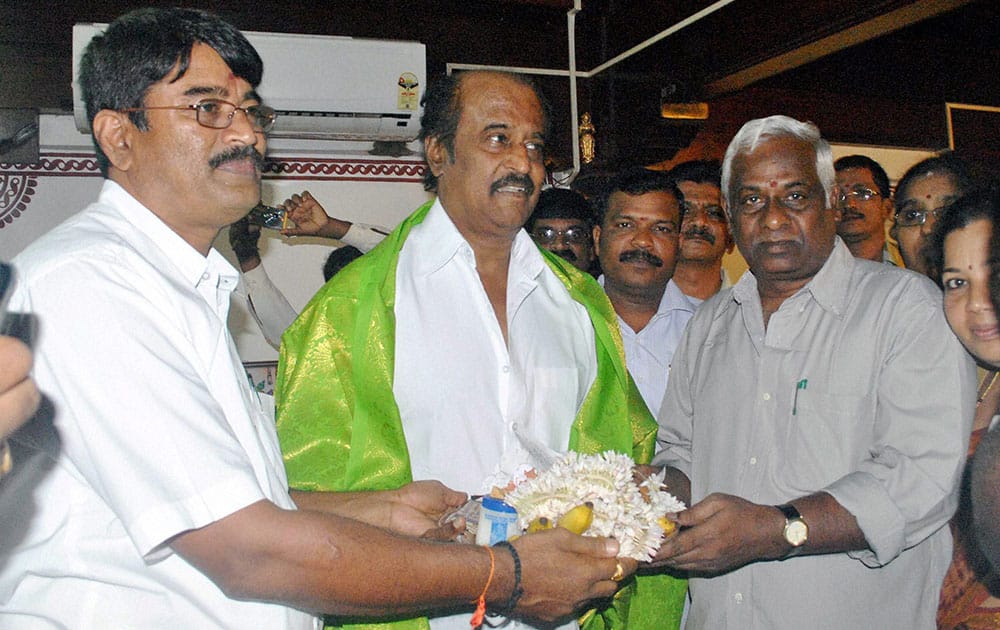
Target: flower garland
634,514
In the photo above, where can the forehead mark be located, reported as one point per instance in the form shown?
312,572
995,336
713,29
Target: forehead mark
773,184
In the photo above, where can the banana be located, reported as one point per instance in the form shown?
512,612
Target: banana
578,519
539,524
668,525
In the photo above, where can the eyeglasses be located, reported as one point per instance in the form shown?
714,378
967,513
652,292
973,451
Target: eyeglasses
859,194
912,217
548,235
215,113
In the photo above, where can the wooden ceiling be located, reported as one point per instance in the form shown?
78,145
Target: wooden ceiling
876,72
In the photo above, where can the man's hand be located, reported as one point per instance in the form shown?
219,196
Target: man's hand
413,510
19,397
311,219
723,532
561,572
243,237
416,509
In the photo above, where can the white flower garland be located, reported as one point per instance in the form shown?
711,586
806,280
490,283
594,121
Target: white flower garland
622,509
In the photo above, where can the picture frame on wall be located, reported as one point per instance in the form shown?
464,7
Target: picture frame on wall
972,132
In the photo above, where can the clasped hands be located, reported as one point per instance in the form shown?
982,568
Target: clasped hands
720,533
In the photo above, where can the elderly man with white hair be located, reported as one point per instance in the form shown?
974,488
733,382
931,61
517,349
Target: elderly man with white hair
816,415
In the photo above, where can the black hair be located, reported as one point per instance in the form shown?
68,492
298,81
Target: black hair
442,102
561,203
980,203
143,46
338,259
863,161
699,172
637,180
947,163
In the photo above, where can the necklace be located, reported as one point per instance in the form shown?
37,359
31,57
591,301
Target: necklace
984,391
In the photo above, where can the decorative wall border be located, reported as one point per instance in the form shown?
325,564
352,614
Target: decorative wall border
281,167
18,182
15,195
339,169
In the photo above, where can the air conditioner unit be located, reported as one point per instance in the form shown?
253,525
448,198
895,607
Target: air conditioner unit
323,87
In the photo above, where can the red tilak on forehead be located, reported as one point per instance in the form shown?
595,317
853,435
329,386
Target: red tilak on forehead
774,184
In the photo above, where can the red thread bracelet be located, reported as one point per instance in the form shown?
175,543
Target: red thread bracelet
480,614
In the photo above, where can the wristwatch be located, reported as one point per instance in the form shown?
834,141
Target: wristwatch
796,531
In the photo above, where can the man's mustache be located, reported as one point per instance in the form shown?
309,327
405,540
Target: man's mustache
565,254
640,255
522,181
700,232
847,216
238,153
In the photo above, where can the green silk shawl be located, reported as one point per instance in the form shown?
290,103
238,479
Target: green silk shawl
340,428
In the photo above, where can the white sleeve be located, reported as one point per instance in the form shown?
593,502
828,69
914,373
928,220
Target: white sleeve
267,305
136,415
363,236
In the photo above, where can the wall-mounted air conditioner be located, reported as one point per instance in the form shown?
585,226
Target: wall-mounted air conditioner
331,88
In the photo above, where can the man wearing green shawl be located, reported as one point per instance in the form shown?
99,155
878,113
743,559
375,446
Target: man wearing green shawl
456,350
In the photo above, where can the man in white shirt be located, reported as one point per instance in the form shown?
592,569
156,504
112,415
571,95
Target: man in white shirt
641,213
457,349
162,499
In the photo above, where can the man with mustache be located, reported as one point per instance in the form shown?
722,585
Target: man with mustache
563,223
457,349
705,236
163,500
816,416
865,202
641,212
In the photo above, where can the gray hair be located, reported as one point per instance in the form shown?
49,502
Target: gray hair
757,130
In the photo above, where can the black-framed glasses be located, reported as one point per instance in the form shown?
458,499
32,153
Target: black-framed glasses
858,194
912,217
548,235
216,113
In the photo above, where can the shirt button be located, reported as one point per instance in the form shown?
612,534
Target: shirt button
738,597
204,276
753,461
506,369
766,396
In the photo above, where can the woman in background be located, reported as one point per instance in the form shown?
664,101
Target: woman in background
921,194
958,255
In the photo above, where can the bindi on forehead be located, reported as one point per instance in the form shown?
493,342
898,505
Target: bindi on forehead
773,184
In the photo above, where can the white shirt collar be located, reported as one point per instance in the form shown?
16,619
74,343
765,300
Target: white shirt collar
192,265
441,241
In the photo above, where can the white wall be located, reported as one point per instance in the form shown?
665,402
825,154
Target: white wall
350,183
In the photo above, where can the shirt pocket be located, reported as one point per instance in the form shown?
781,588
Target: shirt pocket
825,438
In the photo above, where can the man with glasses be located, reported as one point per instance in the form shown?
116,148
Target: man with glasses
163,499
563,223
865,203
705,236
